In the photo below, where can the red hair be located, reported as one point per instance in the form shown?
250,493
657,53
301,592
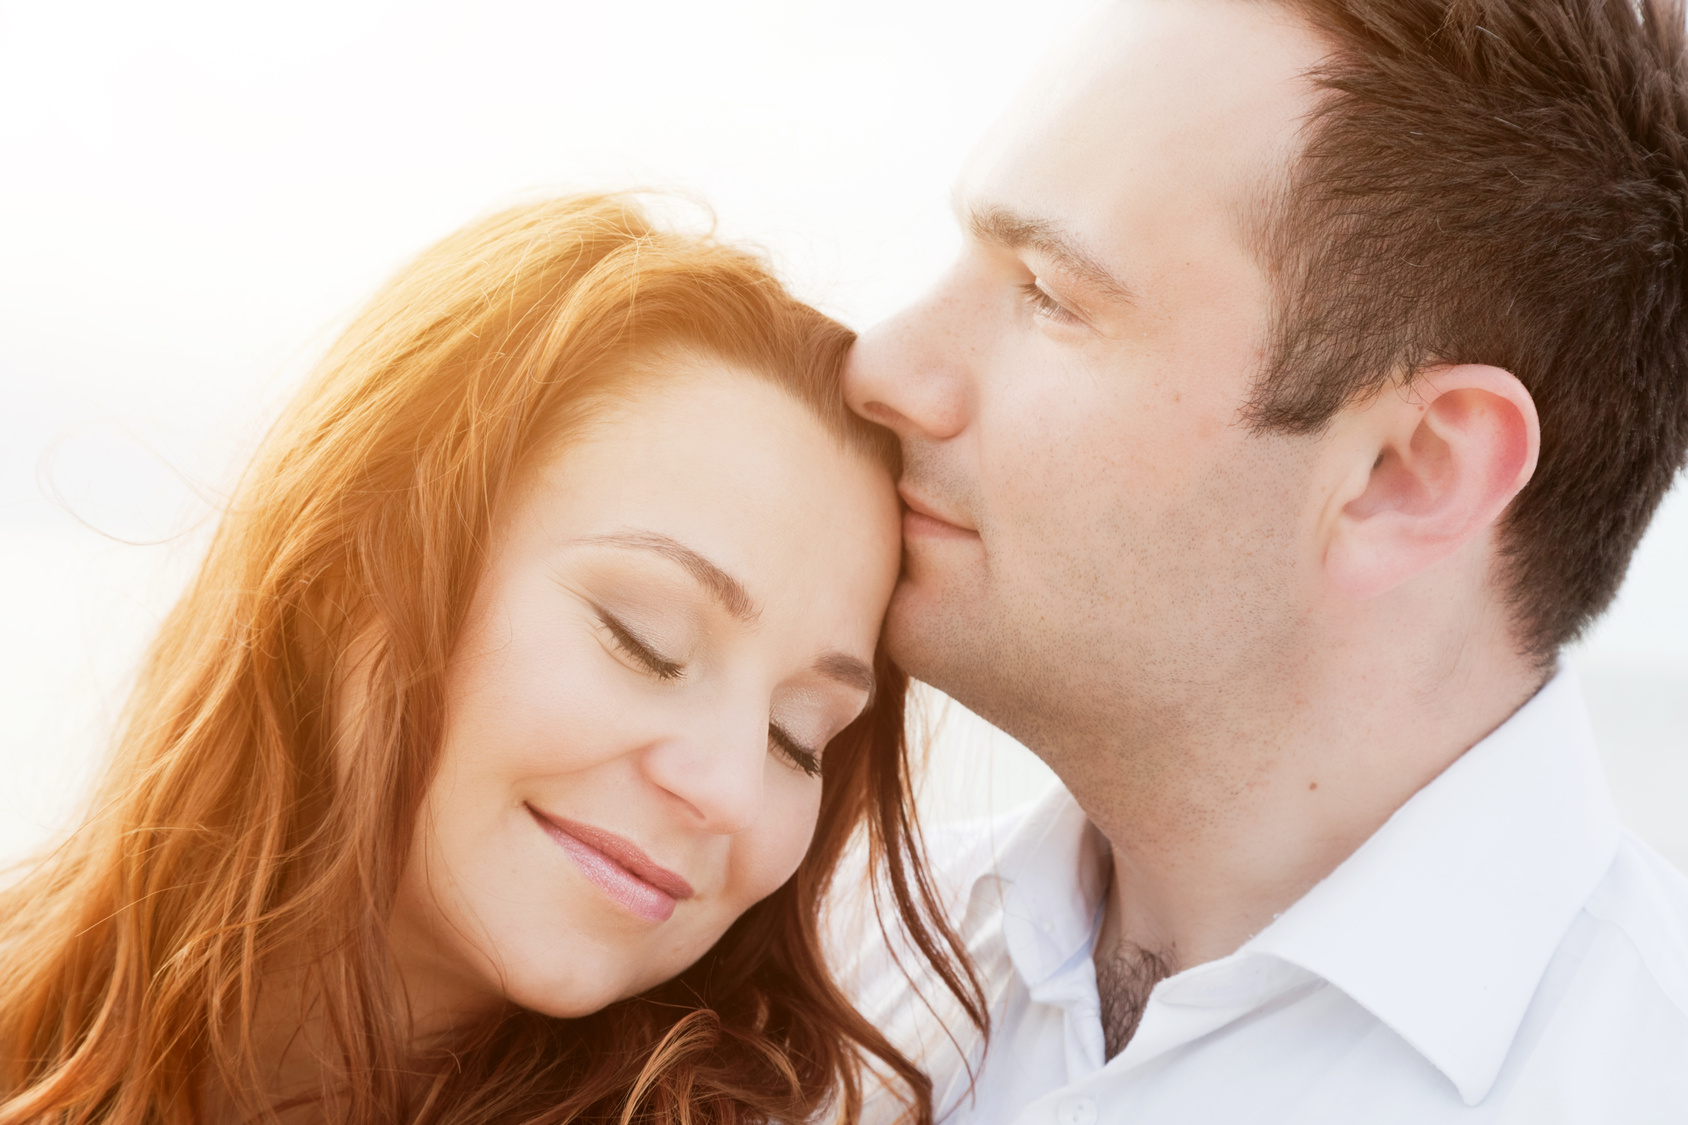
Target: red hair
251,822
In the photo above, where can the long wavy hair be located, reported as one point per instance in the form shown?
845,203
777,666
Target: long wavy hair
251,821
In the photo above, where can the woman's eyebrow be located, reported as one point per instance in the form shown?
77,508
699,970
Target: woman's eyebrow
846,670
734,598
723,587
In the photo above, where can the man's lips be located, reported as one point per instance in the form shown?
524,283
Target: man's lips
618,867
924,519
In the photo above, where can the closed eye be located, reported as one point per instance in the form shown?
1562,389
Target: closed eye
804,759
1043,304
639,652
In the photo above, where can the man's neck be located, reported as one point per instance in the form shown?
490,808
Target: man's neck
1231,827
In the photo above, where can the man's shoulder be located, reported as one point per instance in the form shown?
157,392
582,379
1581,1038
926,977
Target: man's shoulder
1643,900
963,852
863,926
885,975
1609,1030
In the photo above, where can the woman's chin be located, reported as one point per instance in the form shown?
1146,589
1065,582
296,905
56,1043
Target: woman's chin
572,999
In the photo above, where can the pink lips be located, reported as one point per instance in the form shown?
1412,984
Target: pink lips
618,867
922,520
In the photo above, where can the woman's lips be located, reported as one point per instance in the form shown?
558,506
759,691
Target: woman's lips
617,867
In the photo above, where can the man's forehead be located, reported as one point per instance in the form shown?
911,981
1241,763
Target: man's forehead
1174,102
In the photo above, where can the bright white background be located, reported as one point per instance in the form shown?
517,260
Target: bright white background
193,195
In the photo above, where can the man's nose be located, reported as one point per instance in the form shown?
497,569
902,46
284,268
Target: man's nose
715,770
912,373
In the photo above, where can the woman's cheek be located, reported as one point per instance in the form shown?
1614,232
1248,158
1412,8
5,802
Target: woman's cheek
766,856
556,705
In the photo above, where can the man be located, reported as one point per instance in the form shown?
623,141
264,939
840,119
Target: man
1308,374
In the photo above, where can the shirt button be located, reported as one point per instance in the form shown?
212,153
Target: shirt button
1076,1111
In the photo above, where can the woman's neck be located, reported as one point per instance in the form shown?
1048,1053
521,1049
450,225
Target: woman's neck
301,1075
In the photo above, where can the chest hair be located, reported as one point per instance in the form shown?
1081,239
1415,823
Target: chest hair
1124,981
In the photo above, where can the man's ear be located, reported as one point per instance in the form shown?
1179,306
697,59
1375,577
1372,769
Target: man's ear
1448,453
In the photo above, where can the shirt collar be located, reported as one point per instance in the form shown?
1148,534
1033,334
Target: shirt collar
1443,922
1051,873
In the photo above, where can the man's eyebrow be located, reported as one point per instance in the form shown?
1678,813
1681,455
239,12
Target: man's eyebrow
723,587
846,670
997,226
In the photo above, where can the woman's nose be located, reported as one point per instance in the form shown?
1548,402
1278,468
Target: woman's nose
715,772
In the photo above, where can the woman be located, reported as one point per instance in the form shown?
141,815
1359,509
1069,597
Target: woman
495,764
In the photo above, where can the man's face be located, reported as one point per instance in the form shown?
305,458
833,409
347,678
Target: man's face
1094,537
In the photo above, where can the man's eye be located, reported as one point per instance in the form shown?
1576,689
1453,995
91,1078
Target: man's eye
1038,299
806,760
638,651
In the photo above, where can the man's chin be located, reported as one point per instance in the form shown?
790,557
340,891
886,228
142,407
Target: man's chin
926,628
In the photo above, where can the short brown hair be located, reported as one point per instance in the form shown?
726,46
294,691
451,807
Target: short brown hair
1501,182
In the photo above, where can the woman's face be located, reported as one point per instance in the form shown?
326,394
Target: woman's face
674,620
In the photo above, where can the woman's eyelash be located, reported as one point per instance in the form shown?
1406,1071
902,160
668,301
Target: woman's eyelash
806,760
639,651
803,758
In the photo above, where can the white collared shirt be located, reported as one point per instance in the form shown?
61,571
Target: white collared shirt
1501,950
